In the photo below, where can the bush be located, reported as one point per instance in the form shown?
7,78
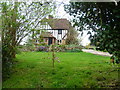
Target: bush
73,50
7,61
42,48
68,48
25,48
61,48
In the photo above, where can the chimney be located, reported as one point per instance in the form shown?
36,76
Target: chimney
50,17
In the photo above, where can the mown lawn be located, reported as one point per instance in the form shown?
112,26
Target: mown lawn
75,70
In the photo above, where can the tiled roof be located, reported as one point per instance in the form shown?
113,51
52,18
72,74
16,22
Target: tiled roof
59,23
47,34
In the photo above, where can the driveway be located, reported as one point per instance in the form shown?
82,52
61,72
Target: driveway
97,52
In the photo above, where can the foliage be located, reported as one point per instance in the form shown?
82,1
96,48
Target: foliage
29,45
89,46
72,36
42,48
103,18
73,50
18,20
61,48
75,70
8,26
34,12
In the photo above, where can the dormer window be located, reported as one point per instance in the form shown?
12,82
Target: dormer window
59,31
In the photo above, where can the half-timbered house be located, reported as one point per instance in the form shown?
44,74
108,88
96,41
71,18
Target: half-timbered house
54,30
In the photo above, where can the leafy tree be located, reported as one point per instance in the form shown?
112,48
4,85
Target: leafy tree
8,26
103,18
33,13
72,36
18,20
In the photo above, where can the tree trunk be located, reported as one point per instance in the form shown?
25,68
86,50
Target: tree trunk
14,29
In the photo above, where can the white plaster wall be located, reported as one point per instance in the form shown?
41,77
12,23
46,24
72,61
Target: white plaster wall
54,32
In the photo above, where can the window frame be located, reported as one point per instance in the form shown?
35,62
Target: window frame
59,31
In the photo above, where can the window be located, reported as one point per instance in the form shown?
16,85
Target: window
60,41
59,31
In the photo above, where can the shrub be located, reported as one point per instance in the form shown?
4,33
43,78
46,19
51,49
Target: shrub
73,50
68,48
26,48
42,48
61,48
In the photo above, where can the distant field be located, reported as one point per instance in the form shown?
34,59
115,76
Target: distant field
75,70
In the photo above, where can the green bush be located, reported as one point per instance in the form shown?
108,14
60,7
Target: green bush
61,48
68,48
42,48
7,61
73,50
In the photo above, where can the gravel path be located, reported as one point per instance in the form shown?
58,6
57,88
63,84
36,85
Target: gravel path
96,52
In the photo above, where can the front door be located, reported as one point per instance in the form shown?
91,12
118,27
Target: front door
49,41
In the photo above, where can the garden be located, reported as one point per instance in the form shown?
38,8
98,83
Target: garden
37,53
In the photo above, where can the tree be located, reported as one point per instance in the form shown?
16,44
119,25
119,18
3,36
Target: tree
103,19
30,15
8,35
19,19
72,36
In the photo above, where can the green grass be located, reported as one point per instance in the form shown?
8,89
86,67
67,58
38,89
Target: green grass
75,70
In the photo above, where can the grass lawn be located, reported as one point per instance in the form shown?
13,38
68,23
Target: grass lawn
75,70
